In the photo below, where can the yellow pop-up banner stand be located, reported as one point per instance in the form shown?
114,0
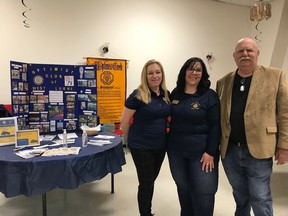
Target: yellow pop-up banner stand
111,88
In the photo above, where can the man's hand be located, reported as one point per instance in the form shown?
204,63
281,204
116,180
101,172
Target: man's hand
281,156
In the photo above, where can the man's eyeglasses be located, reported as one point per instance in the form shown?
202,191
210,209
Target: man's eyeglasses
195,70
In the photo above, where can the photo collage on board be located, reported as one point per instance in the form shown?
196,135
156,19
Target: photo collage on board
20,93
58,97
87,98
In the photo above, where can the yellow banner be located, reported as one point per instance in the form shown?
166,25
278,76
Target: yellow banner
111,88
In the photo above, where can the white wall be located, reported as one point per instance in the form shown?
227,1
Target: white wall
63,32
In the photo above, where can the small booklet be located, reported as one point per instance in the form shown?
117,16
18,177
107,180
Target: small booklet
47,137
61,151
99,142
104,136
69,141
69,136
30,153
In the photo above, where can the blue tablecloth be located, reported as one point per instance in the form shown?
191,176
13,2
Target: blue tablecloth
39,175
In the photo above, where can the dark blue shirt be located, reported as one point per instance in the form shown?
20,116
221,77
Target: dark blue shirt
148,130
195,123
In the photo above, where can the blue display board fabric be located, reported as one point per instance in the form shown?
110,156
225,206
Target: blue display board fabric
51,97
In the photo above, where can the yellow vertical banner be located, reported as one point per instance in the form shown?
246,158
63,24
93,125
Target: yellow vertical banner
111,87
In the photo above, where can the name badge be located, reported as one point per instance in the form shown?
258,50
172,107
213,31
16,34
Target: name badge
175,101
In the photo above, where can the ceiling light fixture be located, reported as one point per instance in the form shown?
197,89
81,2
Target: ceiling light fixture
260,11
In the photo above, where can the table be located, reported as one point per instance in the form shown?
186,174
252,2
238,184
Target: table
39,175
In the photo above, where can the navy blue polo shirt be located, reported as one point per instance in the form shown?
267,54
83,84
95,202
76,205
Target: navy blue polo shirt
148,130
195,123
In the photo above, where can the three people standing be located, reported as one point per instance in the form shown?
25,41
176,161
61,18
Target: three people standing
253,104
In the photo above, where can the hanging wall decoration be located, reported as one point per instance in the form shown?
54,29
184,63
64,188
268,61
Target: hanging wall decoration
26,19
260,11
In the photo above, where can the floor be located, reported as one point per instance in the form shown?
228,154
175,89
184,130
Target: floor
95,198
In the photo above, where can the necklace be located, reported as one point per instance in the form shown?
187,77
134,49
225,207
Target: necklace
242,82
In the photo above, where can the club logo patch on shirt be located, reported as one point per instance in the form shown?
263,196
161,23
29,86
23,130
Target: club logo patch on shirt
195,105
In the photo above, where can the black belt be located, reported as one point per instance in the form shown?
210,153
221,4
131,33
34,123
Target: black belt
239,144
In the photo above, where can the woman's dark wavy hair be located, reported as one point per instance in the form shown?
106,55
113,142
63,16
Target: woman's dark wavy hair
204,83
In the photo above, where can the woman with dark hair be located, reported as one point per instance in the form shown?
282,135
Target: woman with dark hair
193,146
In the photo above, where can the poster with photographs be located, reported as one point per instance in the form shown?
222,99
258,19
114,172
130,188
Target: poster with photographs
87,97
52,97
20,92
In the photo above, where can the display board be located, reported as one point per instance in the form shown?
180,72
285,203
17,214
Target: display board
111,87
52,97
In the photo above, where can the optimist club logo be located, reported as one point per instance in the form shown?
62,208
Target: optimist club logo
38,80
106,77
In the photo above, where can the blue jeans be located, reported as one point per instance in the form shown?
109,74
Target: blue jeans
250,181
148,164
196,188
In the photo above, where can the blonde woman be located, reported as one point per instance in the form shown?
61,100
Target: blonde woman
149,106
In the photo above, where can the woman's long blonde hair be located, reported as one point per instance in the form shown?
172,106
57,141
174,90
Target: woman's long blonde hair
144,93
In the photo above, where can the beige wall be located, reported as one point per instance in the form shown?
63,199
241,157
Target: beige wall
285,63
63,32
281,43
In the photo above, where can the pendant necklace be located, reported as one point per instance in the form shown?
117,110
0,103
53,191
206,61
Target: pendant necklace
242,87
